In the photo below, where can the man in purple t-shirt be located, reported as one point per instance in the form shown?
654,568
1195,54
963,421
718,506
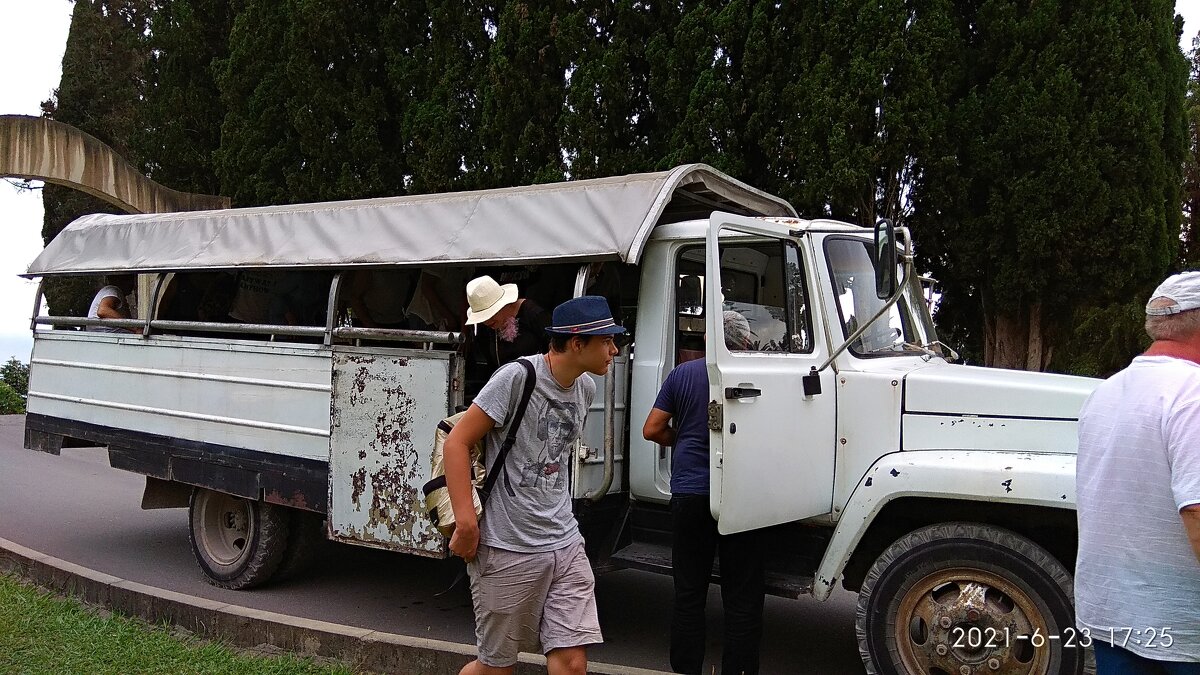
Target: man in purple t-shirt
684,400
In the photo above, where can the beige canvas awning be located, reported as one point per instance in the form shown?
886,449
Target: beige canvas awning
599,219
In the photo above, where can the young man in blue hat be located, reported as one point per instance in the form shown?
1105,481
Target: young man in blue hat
531,581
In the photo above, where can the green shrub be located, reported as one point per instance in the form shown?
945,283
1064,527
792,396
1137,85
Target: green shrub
15,374
11,403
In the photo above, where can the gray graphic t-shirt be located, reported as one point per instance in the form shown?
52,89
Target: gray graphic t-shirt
529,510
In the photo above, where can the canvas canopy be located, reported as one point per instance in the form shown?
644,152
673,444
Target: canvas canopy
598,219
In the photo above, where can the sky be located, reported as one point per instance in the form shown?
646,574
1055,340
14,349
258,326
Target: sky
33,34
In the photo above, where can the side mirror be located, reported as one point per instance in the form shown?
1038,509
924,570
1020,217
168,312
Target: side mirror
885,259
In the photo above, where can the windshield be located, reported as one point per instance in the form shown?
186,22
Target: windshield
906,328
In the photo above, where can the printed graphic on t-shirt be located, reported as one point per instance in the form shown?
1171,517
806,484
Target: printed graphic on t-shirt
556,430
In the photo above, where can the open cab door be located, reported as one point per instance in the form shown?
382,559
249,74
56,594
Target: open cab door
772,445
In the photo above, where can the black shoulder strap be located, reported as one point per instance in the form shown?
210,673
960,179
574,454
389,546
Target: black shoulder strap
511,438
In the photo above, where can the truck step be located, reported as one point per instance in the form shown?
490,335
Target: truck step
657,558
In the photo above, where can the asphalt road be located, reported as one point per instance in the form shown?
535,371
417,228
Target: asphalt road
77,508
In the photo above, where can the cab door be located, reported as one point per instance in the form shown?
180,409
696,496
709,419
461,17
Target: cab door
772,447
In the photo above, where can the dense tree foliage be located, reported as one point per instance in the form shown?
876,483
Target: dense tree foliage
15,373
178,123
100,91
14,387
11,403
1190,251
1060,185
1035,150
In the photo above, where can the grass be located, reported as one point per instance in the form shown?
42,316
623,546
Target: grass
42,633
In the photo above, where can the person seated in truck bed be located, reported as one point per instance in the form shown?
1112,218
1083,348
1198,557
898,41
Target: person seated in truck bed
299,299
110,303
379,298
438,303
252,301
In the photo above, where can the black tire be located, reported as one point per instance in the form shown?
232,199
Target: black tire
306,531
239,543
931,586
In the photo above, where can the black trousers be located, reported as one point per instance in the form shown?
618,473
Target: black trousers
695,543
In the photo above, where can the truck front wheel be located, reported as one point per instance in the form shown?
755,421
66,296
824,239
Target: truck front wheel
239,543
963,597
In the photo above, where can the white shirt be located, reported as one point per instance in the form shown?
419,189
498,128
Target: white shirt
94,310
1138,465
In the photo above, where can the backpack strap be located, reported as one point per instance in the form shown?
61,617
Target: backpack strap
511,438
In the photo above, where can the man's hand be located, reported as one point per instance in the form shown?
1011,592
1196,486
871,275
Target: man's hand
464,542
1191,523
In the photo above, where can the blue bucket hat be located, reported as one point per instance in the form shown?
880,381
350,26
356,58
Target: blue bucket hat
585,315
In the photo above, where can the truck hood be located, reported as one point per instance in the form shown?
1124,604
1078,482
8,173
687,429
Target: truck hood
945,389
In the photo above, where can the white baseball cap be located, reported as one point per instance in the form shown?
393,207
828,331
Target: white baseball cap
1183,289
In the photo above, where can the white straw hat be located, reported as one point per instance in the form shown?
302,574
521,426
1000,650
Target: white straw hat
486,297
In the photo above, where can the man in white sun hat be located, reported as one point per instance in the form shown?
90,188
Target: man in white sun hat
1137,576
509,326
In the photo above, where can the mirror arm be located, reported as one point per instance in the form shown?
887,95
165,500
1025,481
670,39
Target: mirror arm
952,356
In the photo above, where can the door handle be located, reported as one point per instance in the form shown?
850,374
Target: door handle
742,392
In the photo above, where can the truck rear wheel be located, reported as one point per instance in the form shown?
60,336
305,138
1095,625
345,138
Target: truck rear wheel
306,531
239,543
953,598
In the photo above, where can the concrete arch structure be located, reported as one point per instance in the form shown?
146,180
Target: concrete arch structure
42,149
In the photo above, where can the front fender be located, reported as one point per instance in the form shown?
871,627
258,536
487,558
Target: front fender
1002,478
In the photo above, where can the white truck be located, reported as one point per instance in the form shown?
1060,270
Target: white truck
942,494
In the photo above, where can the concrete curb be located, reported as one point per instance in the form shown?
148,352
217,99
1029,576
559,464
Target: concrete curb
245,627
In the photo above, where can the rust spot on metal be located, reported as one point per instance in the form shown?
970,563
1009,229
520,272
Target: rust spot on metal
297,500
1007,485
359,482
894,473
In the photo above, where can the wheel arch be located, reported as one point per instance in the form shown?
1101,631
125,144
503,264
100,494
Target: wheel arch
1054,529
1032,494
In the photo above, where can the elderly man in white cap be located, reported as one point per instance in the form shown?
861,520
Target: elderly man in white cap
511,326
1137,576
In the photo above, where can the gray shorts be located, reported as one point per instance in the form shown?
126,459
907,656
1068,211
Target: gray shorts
523,599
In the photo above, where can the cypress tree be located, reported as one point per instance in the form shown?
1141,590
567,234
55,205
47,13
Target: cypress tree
259,144
309,119
98,93
179,121
863,91
1190,249
524,87
610,124
1063,190
435,57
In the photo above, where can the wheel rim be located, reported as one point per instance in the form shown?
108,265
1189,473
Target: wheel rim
226,526
935,621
